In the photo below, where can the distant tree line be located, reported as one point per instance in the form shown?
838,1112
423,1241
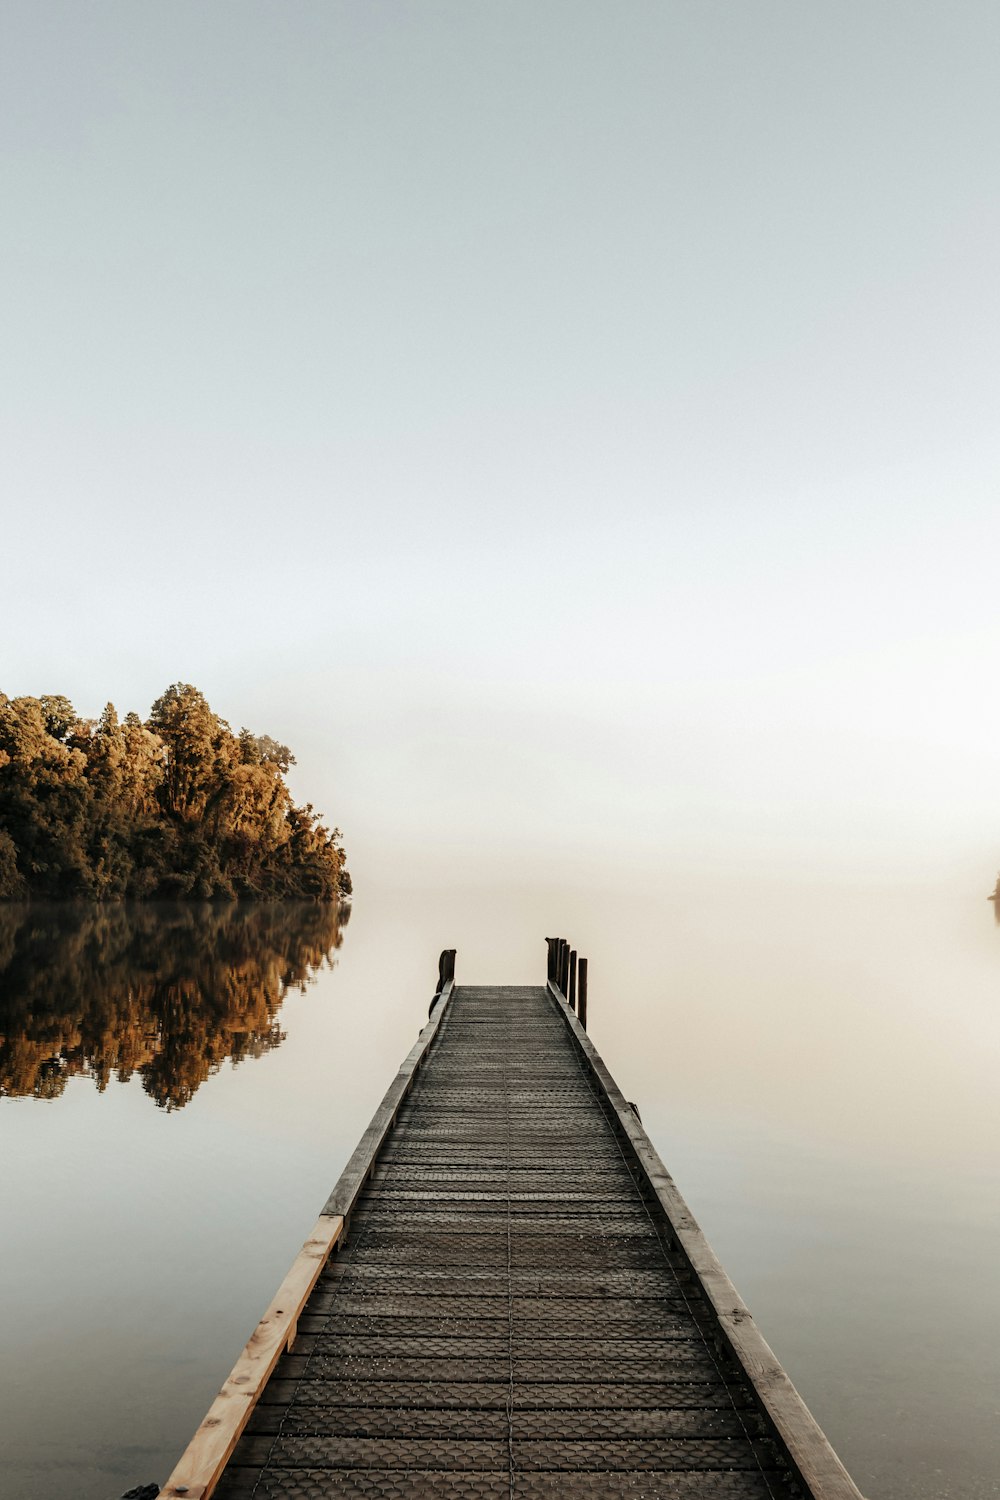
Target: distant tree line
177,805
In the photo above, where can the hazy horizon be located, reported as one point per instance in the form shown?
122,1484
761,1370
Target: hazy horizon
572,430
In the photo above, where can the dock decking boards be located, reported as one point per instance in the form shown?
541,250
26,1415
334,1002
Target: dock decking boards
508,1313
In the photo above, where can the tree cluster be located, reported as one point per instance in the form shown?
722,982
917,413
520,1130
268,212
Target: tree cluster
177,805
165,992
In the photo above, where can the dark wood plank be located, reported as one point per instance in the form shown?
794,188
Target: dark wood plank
809,1451
521,1303
352,1178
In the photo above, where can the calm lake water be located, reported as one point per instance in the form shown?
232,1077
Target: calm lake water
818,1067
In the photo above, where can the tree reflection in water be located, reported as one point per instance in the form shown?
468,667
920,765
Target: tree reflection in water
165,991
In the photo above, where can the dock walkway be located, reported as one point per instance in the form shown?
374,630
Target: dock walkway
519,1304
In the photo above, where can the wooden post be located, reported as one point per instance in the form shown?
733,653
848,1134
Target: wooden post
564,966
446,972
581,1000
571,992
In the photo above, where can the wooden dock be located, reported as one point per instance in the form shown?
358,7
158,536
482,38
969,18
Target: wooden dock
505,1295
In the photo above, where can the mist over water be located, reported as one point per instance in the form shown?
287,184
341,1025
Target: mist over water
571,428
816,1066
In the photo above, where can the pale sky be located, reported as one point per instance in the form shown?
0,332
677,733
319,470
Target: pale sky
571,426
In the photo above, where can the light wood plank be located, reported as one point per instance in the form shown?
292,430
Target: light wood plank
205,1457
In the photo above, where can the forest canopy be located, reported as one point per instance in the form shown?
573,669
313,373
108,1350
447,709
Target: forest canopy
177,805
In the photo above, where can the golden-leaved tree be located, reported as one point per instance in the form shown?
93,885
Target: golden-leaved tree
176,806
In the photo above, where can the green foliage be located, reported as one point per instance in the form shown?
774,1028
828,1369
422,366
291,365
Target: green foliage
178,806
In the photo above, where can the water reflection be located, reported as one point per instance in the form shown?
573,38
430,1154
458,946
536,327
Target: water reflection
168,992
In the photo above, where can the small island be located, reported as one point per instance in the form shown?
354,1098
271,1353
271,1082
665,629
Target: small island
173,806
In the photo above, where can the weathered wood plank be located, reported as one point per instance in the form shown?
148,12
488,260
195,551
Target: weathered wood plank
401,1484
523,1300
205,1457
808,1448
352,1179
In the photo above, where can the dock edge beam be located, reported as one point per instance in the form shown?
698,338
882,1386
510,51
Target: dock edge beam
813,1460
203,1461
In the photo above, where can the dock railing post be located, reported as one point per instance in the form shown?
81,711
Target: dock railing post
571,992
581,993
446,973
550,958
